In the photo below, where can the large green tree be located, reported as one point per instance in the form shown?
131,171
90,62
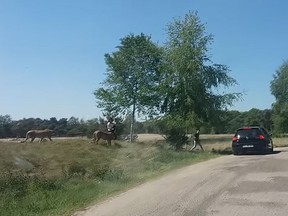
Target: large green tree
279,89
132,78
191,79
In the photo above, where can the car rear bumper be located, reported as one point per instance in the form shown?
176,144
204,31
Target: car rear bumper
249,148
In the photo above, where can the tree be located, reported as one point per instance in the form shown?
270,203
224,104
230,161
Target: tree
61,128
279,84
233,120
190,78
280,118
279,89
76,127
133,76
267,121
253,117
5,125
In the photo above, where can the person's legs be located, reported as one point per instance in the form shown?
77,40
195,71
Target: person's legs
200,145
194,145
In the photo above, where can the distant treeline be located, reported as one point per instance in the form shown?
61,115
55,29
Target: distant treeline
230,121
67,127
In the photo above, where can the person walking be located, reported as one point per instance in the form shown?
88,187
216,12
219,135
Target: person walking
196,141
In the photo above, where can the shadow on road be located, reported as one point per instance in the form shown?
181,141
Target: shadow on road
259,153
226,151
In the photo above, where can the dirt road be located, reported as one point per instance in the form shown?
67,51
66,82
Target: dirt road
254,185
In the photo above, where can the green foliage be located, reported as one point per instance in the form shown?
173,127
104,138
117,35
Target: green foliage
175,130
279,84
98,172
5,126
279,89
105,173
230,121
76,169
18,185
133,76
62,127
227,122
190,79
176,138
91,125
280,118
178,79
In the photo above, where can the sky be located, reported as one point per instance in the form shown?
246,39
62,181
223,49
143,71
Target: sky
52,51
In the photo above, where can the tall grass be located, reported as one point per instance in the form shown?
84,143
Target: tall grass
60,177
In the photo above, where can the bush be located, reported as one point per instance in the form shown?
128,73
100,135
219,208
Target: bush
175,130
176,138
14,184
75,169
105,173
48,184
18,185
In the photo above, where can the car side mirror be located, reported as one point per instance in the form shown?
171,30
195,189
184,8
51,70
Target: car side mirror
270,134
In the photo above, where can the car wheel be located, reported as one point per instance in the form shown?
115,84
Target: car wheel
271,150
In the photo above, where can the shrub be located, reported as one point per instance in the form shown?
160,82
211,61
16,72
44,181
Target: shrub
175,130
75,169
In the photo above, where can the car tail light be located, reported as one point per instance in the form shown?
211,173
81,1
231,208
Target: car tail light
234,138
261,137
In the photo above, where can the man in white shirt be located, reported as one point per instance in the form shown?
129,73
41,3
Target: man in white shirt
111,126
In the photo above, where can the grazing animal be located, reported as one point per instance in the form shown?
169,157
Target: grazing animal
97,135
39,134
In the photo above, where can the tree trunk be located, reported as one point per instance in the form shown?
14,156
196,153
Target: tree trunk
132,123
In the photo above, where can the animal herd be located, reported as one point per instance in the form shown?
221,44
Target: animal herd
47,133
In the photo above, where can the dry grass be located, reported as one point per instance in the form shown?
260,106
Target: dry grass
149,137
103,170
280,142
67,174
52,158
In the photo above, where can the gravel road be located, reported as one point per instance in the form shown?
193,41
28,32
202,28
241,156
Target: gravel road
254,185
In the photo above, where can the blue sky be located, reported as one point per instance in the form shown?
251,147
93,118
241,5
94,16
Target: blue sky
52,51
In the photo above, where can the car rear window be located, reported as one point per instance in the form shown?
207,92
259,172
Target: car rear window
251,132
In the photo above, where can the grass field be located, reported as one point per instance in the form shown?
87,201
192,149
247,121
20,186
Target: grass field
60,177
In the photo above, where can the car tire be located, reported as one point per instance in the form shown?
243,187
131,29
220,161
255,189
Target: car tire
271,150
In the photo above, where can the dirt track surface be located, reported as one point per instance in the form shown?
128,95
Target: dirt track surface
230,185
